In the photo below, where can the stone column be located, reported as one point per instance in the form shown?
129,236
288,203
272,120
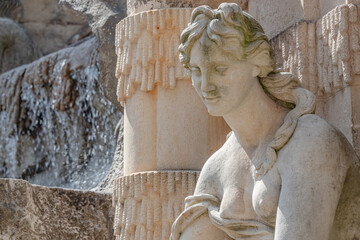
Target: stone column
147,203
165,124
167,129
325,54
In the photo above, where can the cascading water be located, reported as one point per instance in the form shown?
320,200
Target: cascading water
56,126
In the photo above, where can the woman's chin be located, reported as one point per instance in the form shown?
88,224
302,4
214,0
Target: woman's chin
214,111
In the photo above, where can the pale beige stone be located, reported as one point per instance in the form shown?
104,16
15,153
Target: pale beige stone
156,92
146,49
147,203
283,173
324,55
136,6
337,110
276,15
327,5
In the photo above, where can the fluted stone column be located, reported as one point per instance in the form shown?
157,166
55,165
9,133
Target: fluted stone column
325,55
165,124
147,203
168,134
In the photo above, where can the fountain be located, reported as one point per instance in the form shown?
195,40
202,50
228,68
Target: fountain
57,129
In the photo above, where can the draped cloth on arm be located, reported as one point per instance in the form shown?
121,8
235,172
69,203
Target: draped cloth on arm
195,206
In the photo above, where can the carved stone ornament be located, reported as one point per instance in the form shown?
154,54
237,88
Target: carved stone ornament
284,172
324,54
147,203
146,46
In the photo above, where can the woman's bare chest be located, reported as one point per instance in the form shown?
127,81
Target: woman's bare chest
243,196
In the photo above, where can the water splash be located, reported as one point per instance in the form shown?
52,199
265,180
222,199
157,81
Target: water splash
59,131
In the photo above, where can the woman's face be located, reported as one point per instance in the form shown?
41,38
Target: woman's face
221,80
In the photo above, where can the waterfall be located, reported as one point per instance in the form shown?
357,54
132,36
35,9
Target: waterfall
56,127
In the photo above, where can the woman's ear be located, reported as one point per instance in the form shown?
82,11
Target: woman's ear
256,71
262,60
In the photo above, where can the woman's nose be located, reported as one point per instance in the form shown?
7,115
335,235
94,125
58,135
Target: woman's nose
206,85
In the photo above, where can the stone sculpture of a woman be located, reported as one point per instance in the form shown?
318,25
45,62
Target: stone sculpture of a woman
283,173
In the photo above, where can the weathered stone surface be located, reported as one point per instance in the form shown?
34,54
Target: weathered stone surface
57,129
324,54
282,167
16,46
157,94
10,9
61,35
34,213
146,51
147,203
102,16
276,15
136,6
45,20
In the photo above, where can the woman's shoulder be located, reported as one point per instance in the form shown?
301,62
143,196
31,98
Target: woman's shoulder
216,160
316,142
311,129
230,155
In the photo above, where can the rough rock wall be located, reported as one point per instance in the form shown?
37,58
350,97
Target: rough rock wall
56,127
16,47
10,9
50,26
102,16
36,213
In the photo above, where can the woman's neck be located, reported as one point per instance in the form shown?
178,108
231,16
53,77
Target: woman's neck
256,120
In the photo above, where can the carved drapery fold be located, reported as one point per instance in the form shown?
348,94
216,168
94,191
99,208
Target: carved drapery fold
146,204
147,50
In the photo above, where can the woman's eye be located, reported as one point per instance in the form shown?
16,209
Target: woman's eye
221,69
196,71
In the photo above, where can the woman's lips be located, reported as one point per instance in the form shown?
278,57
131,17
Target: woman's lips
211,99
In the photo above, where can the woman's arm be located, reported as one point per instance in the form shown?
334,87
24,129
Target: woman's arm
203,229
313,173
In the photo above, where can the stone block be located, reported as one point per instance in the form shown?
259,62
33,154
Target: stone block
35,212
276,15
